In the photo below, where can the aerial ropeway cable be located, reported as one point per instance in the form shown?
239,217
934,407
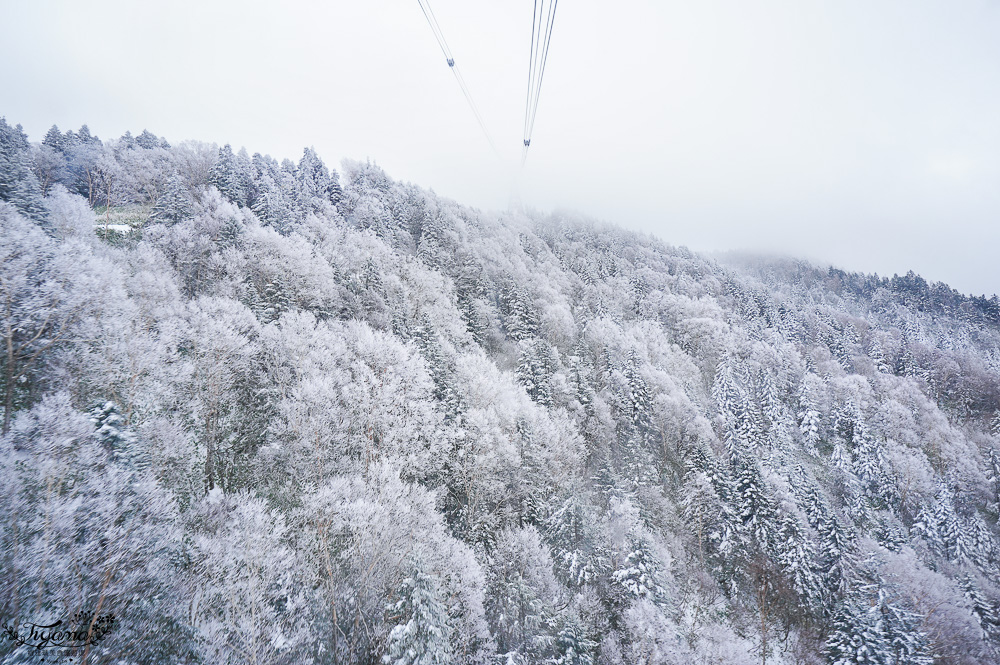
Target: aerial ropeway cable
443,43
542,20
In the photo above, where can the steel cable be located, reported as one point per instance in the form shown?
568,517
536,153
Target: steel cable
542,23
425,7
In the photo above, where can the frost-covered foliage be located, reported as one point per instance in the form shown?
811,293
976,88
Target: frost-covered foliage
302,416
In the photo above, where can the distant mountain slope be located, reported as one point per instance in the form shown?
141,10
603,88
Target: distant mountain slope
275,413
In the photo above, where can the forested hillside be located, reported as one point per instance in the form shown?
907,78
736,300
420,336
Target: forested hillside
267,412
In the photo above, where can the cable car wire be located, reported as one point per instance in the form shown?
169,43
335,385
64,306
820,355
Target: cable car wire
545,59
541,39
531,68
425,7
474,107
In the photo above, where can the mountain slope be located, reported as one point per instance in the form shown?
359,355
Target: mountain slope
281,414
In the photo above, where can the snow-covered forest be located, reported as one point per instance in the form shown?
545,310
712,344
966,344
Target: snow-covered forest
271,412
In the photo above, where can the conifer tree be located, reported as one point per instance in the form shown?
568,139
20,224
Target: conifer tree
993,474
438,365
274,192
127,140
117,437
470,309
55,139
841,458
756,508
316,183
572,647
566,529
580,370
84,136
517,596
174,204
535,369
27,194
638,575
797,557
421,635
773,411
521,319
231,174
855,638
731,403
149,140
18,183
638,400
984,610
981,541
700,507
907,642
809,419
868,629
833,547
926,526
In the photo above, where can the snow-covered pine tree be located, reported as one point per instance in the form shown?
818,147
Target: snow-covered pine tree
421,635
982,608
55,139
638,401
700,507
518,596
710,494
274,194
147,140
809,419
926,526
84,135
756,509
877,353
116,436
942,528
841,458
732,407
535,369
426,339
908,643
27,193
798,559
231,175
13,142
18,183
638,574
857,636
773,410
872,469
580,375
572,646
174,204
566,528
470,306
834,551
869,628
981,541
633,406
317,184
520,316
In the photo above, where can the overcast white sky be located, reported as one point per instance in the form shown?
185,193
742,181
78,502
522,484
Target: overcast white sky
862,133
